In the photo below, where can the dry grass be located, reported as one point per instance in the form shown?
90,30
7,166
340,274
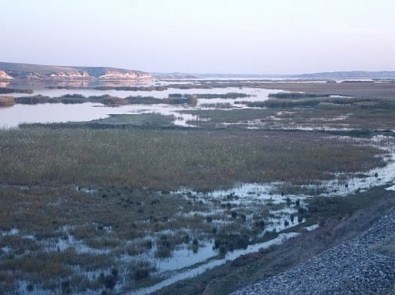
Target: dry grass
6,101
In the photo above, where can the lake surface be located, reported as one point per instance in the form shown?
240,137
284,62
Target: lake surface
11,117
154,93
62,113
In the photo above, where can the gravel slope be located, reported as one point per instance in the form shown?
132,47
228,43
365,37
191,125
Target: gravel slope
363,265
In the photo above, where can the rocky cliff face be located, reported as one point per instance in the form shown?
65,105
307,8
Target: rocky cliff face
126,75
58,76
4,76
10,71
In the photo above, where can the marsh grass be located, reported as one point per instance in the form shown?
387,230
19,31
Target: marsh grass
13,90
108,218
203,160
296,95
367,114
114,101
78,232
114,192
344,218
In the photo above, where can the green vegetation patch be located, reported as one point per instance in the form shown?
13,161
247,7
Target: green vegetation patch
169,159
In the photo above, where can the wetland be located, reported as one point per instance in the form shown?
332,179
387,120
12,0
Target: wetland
185,185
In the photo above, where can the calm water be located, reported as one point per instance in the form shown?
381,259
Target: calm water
11,117
154,93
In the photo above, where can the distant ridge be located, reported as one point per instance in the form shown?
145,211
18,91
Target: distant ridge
340,75
21,71
349,75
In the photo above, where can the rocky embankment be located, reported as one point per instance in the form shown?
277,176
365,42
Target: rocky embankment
363,265
11,71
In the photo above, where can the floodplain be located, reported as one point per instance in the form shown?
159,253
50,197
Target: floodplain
183,186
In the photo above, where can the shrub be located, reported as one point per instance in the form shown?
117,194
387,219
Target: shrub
141,274
66,289
141,270
260,224
231,242
110,281
29,288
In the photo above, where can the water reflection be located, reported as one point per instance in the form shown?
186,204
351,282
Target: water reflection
4,84
56,113
255,93
35,85
49,113
211,264
61,113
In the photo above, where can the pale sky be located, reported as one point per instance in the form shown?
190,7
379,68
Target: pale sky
202,36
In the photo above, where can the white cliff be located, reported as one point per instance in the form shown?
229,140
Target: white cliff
4,76
125,75
9,71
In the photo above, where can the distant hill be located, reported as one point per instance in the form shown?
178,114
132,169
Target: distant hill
20,71
177,75
341,75
349,75
11,71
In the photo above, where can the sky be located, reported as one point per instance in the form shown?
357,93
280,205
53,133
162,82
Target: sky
202,36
